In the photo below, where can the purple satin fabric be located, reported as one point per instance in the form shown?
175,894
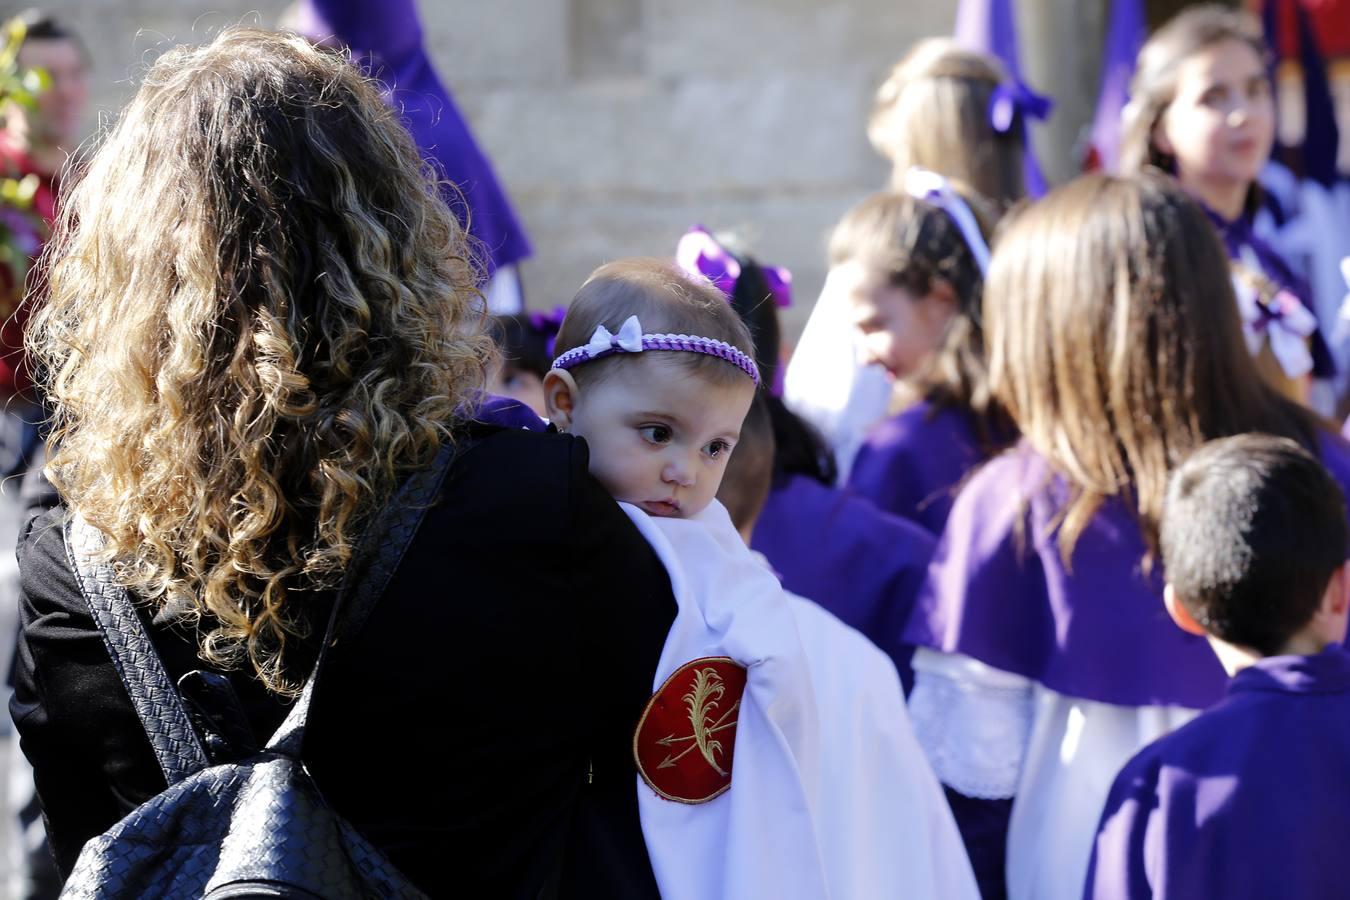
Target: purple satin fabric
912,463
989,26
1247,802
1125,33
838,550
389,35
1098,632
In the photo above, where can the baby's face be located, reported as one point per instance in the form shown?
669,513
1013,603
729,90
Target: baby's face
659,435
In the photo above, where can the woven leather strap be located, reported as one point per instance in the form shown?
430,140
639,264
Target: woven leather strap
177,747
158,704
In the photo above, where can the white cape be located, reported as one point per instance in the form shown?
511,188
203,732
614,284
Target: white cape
831,796
827,382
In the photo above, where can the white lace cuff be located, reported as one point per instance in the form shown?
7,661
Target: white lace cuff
973,722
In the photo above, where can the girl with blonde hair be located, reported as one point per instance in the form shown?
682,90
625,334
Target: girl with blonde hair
262,319
947,110
933,112
1046,659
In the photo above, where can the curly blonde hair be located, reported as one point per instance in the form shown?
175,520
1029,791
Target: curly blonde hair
261,316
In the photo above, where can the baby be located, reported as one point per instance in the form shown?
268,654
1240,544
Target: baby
660,425
655,372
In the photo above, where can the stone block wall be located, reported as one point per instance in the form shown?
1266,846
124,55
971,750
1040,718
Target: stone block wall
616,124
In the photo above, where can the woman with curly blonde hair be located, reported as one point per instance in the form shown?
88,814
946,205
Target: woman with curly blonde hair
262,318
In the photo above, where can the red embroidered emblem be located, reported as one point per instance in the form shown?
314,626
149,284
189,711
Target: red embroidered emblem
686,737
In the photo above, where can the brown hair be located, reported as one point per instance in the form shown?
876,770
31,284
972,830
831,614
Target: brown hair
932,111
1115,343
914,243
749,474
1154,85
666,300
249,338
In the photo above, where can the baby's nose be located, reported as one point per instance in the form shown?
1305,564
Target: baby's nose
679,473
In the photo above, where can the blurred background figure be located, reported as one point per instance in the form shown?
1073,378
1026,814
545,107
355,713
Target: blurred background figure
947,110
831,546
526,342
44,117
43,122
1201,109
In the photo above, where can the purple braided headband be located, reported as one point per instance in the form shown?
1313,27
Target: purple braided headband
630,339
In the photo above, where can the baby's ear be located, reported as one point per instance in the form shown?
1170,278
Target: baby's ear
560,397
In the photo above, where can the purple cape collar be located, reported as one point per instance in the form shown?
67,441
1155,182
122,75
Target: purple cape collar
1326,673
1099,631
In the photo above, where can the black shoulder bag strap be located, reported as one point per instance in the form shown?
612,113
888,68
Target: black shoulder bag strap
158,704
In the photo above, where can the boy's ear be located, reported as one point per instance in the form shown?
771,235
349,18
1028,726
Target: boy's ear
1185,621
560,397
1331,615
1336,598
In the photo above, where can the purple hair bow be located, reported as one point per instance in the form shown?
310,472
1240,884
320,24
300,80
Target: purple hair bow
699,253
548,324
1013,99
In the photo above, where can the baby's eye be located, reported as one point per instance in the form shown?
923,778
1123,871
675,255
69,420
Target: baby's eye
655,434
717,449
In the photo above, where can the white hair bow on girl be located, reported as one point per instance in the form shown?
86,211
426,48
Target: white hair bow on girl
930,187
629,338
1284,321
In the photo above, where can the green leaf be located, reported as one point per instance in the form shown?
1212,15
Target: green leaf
36,80
27,189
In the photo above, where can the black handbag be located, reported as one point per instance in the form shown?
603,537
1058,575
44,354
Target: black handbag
257,827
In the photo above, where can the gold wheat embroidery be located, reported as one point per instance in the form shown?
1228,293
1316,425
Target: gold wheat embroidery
702,702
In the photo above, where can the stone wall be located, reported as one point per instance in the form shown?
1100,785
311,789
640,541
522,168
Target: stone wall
615,124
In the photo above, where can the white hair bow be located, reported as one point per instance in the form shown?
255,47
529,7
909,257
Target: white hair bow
922,184
1284,321
629,338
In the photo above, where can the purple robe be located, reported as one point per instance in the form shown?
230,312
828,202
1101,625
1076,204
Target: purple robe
912,463
389,34
999,593
840,551
1237,235
1247,801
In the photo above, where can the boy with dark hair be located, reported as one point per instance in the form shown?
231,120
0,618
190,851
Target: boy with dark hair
1250,799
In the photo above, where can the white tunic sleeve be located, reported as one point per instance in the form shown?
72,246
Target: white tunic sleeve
973,722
